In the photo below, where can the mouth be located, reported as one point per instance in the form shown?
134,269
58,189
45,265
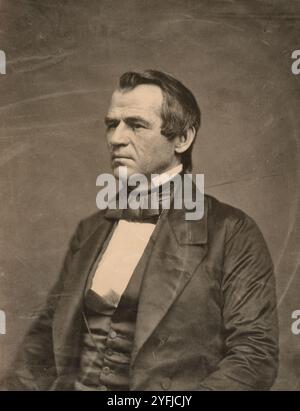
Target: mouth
117,157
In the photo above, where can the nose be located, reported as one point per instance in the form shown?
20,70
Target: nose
120,135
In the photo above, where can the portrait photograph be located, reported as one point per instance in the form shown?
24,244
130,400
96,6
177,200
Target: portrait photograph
150,214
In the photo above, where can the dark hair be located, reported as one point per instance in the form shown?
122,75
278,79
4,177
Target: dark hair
180,110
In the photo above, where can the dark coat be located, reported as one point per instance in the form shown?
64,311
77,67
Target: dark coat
207,310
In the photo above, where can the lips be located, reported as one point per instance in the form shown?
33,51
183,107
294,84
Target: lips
119,157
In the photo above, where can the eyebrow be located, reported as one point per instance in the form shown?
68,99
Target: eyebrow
132,119
109,120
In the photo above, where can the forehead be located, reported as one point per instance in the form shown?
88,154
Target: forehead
145,99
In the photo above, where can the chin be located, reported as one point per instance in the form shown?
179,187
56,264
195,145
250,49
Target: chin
129,171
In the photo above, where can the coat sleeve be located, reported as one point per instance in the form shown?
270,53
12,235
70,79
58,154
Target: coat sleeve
249,314
34,366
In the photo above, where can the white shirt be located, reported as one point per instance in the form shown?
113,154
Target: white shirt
124,251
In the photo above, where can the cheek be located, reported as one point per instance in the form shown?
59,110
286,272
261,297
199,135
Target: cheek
160,146
153,151
158,158
165,149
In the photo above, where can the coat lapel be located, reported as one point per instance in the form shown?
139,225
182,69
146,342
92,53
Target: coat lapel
68,321
179,247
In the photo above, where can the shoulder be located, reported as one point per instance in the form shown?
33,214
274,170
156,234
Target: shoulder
231,220
223,210
86,227
238,232
92,220
219,211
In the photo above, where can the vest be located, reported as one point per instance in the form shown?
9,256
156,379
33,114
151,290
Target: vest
108,335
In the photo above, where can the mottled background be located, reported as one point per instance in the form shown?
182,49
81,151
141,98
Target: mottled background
64,58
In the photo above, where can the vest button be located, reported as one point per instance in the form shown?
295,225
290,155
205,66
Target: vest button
106,370
112,334
109,352
166,383
103,388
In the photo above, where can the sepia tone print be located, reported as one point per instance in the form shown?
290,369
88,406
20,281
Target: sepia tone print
140,296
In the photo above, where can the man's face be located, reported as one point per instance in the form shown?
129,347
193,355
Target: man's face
134,132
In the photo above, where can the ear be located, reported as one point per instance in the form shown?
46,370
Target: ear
184,141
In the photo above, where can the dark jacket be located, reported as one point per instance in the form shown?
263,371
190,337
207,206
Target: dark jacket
207,310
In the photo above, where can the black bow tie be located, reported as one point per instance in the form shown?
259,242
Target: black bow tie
141,214
144,215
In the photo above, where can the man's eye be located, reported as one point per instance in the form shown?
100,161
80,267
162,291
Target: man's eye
111,126
137,126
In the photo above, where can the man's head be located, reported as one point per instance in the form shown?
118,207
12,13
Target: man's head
152,123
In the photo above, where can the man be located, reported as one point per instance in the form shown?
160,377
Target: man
151,300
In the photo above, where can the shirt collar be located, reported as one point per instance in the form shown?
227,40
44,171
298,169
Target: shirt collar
160,179
166,176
